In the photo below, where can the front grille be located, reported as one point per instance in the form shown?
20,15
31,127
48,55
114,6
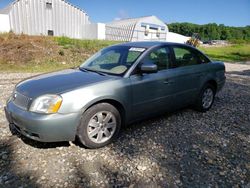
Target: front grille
21,100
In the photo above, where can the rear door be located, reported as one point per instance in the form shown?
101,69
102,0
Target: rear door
188,74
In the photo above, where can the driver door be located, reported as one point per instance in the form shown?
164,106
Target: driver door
152,93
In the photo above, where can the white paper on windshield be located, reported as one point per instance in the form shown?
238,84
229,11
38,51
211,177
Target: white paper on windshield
137,49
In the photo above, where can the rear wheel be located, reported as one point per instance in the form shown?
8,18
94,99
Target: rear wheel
205,99
99,125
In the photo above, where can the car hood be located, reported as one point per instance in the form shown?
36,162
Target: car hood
59,82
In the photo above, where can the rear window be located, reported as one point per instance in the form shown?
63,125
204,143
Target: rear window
185,57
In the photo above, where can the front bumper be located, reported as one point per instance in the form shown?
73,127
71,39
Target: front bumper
40,127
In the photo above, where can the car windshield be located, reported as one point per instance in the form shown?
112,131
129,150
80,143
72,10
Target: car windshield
114,60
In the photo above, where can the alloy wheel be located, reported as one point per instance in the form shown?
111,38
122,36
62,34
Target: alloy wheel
207,98
101,127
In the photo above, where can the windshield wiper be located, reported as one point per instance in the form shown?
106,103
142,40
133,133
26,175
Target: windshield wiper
98,72
90,70
83,69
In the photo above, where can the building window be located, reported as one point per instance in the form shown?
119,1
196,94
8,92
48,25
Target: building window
48,5
50,32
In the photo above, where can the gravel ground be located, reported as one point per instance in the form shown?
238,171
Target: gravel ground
182,149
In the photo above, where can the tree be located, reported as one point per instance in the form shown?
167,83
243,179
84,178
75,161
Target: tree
211,31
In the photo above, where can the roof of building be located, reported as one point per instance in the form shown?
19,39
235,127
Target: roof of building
130,20
130,24
7,8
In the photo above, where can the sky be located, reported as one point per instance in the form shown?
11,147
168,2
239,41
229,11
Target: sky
227,12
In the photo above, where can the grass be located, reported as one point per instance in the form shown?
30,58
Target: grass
235,53
22,53
31,67
90,45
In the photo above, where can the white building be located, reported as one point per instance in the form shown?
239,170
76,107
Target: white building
137,29
149,28
44,17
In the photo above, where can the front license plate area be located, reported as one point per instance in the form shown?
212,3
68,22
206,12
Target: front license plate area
8,116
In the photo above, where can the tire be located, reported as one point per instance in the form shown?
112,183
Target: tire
99,126
202,104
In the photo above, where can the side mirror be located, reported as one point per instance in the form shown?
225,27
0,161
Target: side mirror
148,68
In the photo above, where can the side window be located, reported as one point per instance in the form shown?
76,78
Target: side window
160,57
185,57
202,58
132,57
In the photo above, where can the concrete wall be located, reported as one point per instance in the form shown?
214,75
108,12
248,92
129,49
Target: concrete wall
4,23
94,31
174,37
101,31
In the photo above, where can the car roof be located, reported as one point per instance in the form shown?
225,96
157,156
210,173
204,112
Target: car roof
149,44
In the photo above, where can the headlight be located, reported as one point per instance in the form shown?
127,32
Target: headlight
48,104
11,96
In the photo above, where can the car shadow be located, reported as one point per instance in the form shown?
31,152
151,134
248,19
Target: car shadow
42,145
9,176
130,127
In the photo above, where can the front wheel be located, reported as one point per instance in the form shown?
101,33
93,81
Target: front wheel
99,125
205,99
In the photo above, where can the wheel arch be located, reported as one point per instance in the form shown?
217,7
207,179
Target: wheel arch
118,105
213,83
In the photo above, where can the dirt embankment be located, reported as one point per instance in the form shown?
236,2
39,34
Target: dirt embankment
23,49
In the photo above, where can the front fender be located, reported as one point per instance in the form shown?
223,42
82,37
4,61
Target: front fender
79,100
104,98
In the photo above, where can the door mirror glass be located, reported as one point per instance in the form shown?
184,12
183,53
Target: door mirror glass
148,68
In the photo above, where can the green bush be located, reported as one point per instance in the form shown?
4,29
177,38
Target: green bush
92,45
61,52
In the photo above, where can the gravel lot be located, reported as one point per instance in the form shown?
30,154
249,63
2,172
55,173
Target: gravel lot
182,149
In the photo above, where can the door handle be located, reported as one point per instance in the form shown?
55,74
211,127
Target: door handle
200,74
168,82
